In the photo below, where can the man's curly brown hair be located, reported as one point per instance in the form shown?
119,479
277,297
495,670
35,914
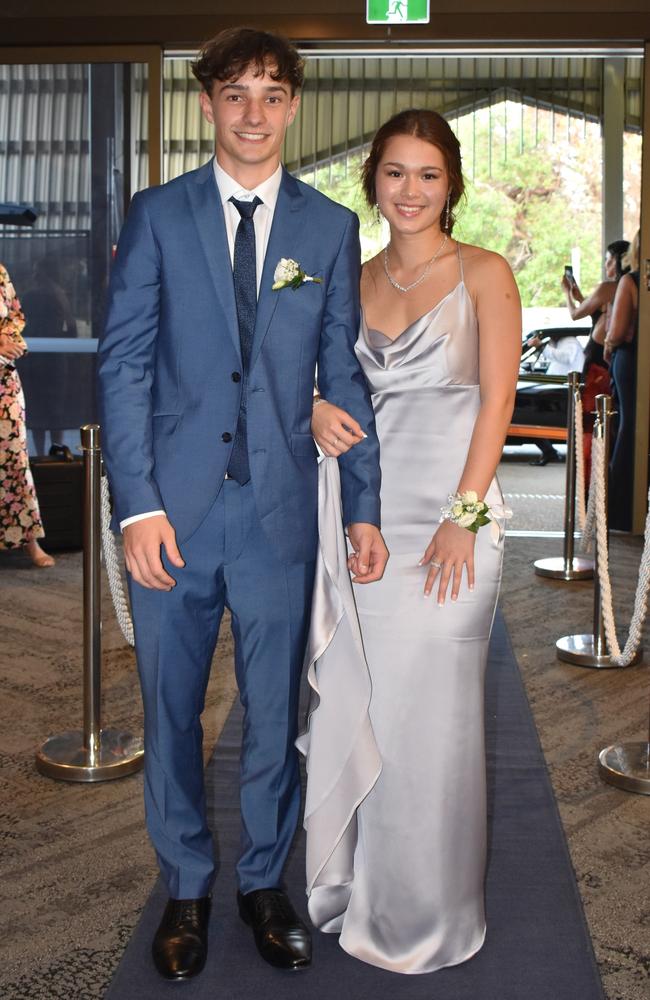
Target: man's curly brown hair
229,54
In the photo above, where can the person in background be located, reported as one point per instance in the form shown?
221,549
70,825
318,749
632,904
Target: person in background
49,313
20,519
598,305
564,354
620,352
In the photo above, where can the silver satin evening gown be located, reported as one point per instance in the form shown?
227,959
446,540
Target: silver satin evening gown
396,805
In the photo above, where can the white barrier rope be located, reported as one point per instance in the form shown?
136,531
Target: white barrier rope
120,602
534,496
578,434
598,490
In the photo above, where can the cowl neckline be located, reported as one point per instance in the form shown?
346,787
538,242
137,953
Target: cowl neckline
425,316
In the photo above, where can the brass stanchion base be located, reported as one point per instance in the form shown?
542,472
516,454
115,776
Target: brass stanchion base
580,650
626,765
65,757
557,568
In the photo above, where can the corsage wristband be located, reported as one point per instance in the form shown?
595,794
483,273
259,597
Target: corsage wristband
466,510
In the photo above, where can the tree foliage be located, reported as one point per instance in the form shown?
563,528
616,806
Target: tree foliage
534,195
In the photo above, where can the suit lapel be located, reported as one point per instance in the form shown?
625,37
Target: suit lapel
286,230
208,217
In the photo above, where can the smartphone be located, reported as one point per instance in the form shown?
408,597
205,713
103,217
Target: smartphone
568,274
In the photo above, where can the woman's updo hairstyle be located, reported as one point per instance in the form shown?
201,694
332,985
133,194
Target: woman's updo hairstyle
432,128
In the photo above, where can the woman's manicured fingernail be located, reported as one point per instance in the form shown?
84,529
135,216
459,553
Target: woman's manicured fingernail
471,586
421,562
427,593
441,604
454,597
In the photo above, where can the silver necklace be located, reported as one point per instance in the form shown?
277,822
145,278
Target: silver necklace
427,268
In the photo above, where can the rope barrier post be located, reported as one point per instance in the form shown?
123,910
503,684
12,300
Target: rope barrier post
94,754
627,765
569,566
591,650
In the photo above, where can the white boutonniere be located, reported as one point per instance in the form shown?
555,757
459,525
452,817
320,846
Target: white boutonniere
289,274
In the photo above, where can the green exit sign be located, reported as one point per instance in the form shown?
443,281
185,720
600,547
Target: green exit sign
397,11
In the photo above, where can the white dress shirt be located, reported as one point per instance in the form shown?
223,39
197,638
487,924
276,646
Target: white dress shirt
229,188
564,357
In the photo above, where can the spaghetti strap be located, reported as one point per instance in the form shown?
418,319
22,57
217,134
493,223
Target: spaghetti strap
460,262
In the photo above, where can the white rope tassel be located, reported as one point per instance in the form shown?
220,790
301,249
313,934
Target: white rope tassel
120,602
581,510
621,659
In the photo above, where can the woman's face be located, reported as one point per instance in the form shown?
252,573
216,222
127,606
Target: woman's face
411,184
610,266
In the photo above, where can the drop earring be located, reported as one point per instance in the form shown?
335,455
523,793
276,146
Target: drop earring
377,214
447,212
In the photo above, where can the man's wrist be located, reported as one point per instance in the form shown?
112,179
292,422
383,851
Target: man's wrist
141,517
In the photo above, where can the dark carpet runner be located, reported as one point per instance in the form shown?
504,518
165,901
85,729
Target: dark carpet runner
537,947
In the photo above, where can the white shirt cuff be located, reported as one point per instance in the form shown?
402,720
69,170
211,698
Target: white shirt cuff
139,517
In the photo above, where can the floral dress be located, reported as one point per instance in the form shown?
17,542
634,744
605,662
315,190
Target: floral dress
20,519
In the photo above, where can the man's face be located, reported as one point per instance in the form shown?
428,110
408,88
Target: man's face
250,117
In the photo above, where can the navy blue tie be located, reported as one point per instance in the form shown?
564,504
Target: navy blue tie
244,274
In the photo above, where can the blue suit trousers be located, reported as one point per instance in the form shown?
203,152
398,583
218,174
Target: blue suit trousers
228,563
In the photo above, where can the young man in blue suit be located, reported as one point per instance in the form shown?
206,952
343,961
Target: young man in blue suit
206,376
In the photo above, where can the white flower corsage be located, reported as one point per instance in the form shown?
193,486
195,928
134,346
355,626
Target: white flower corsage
289,274
467,511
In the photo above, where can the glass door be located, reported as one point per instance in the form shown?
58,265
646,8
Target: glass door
80,133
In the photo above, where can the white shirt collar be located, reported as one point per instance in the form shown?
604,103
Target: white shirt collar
267,191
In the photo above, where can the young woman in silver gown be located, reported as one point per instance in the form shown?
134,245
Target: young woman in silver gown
396,808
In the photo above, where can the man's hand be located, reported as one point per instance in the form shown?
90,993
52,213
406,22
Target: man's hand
142,542
370,556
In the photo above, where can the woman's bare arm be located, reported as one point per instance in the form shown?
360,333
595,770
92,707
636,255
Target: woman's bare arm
621,324
598,299
499,318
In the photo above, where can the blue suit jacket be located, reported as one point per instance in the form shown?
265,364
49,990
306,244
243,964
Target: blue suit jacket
171,345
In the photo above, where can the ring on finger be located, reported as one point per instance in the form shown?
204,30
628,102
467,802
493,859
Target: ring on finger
437,564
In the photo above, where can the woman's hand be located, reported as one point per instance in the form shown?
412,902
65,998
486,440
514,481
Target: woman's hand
334,430
9,348
450,549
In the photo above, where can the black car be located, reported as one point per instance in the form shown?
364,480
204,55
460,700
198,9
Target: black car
541,401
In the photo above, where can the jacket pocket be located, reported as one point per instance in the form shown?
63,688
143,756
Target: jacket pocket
165,423
303,444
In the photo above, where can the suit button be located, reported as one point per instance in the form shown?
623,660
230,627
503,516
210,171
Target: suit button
226,437
236,377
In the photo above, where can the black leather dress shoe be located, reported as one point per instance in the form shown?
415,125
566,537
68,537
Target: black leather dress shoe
550,456
180,945
280,935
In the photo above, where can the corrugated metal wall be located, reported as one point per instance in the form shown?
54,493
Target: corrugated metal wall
44,115
44,142
345,100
